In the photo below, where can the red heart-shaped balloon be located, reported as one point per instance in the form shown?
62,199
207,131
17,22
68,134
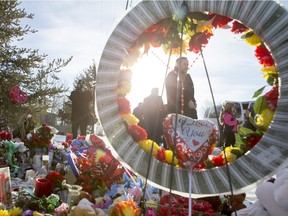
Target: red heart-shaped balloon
194,138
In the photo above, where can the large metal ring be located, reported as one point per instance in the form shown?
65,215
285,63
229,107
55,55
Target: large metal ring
268,20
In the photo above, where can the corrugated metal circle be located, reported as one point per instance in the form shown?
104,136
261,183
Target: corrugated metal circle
268,20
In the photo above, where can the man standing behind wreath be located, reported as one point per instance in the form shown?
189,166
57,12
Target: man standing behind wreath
185,101
81,113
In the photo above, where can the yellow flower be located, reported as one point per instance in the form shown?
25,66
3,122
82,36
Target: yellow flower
204,26
269,70
4,213
254,40
151,204
15,211
230,157
130,119
146,145
265,118
169,157
124,87
35,213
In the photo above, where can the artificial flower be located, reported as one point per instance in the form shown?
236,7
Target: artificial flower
198,40
265,118
169,157
124,87
138,133
35,213
203,26
218,160
136,192
130,119
268,71
176,47
124,208
132,56
272,98
161,154
27,213
263,55
253,39
62,210
147,145
4,213
56,179
252,140
124,106
15,211
151,212
230,157
238,27
151,204
219,20
125,75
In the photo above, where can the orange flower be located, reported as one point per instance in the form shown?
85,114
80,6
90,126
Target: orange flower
124,208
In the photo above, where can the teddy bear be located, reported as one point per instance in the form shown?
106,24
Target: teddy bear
84,208
272,197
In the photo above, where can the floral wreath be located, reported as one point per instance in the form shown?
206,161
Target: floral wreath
197,31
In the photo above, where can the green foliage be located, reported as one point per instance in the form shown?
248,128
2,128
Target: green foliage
258,92
24,67
260,105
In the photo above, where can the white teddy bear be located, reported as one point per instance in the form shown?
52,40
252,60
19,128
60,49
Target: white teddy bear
272,198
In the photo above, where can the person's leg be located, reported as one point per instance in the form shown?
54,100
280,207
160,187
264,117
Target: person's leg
75,126
83,128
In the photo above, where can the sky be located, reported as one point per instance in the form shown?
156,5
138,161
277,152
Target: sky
81,29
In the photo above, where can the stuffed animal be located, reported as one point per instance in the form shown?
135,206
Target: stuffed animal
85,208
272,198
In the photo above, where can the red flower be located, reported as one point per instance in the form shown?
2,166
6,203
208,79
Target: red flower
198,40
55,178
3,135
138,133
252,140
200,166
238,28
272,98
219,20
124,106
263,55
161,154
65,144
97,141
218,160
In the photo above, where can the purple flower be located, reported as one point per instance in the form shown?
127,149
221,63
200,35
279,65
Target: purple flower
27,213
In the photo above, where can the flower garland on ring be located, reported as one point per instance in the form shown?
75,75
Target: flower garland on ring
197,32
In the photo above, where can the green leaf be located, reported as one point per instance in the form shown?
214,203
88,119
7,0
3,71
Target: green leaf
247,35
258,92
245,131
260,105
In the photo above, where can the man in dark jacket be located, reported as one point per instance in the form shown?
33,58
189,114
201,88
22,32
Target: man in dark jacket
81,99
184,103
154,113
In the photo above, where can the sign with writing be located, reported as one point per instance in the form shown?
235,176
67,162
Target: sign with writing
191,138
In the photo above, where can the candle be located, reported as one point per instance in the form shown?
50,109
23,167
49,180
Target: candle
43,187
69,136
5,186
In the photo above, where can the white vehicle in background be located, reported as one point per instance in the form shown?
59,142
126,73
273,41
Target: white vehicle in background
210,113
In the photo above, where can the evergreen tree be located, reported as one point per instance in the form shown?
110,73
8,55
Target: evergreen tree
24,67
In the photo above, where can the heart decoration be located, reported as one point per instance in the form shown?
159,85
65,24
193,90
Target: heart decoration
18,96
194,138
